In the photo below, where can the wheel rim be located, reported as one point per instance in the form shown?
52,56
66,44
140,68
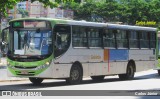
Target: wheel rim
75,75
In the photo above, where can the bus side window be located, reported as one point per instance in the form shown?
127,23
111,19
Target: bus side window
109,38
121,38
144,40
79,36
94,37
133,39
152,39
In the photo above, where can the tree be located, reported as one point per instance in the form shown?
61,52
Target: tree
126,11
23,12
92,10
5,5
109,11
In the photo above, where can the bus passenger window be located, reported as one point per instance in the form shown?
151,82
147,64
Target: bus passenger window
144,39
121,37
79,36
109,39
133,39
152,39
94,37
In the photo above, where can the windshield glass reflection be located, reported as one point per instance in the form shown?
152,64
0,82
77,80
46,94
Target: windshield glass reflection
32,42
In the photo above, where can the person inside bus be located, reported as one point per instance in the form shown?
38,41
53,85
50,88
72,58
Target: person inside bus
58,41
26,38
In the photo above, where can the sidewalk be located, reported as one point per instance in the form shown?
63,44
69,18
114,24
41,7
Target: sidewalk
3,62
3,72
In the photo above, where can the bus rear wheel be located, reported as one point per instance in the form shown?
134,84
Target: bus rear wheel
97,78
129,73
159,72
36,81
75,75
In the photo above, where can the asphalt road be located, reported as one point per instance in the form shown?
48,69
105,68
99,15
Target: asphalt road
146,80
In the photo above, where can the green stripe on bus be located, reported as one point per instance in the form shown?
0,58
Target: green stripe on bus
27,64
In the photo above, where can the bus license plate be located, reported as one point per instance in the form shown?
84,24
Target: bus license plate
24,72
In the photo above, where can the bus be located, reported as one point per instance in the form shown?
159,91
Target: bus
45,48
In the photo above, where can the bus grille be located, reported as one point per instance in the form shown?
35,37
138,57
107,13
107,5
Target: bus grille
25,74
20,73
22,67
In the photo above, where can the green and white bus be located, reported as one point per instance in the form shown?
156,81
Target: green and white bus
44,48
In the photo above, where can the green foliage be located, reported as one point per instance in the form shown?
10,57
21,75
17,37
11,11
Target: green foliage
9,4
23,12
126,11
5,5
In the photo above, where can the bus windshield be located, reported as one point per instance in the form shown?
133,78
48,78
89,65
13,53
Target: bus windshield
31,42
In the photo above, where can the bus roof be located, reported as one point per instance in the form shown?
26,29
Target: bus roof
130,27
96,24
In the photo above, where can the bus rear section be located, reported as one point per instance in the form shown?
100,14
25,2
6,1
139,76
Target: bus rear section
96,51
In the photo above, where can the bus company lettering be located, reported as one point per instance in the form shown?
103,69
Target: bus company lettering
95,57
145,23
23,93
146,93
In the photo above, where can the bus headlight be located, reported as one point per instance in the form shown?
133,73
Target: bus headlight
10,66
43,66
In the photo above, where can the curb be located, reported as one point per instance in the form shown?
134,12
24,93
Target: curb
3,67
13,80
5,78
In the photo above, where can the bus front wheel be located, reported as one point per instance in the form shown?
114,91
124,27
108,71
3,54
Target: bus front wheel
129,73
36,81
159,72
75,75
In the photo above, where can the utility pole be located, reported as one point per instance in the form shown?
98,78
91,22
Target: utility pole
15,12
0,22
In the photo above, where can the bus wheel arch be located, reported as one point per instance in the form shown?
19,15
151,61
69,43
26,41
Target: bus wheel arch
130,71
76,73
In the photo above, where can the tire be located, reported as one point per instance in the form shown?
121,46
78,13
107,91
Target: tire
159,72
129,73
36,81
75,75
97,78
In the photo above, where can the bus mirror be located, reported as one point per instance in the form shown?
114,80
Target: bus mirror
4,43
3,47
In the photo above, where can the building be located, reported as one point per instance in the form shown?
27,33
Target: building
36,9
22,5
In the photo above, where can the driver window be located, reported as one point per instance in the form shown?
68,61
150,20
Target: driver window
62,39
